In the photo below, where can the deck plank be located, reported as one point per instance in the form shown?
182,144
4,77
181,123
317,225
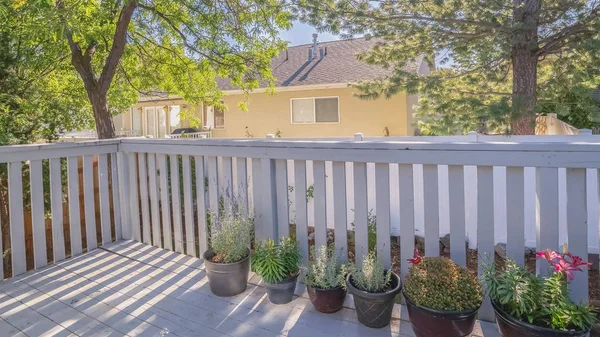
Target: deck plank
129,288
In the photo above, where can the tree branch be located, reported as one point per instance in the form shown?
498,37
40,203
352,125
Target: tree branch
118,46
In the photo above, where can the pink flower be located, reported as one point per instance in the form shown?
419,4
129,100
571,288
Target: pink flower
416,258
567,263
547,254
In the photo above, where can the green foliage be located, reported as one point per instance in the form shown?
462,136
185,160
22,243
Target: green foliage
274,262
534,299
370,276
371,229
575,107
231,234
471,48
440,284
325,271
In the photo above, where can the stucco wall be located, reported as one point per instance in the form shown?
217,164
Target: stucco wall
267,113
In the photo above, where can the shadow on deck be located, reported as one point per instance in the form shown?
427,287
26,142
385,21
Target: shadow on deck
129,288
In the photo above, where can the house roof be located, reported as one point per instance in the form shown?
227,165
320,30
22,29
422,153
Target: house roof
338,64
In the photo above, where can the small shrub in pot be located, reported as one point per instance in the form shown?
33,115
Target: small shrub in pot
325,280
374,290
228,258
530,305
278,265
442,297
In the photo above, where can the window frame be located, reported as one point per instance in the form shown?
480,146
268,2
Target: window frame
314,100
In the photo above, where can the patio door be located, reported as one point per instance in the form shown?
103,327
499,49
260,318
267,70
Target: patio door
155,120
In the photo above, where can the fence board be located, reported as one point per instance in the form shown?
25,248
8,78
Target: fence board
432,214
143,172
226,180
340,209
134,197
104,200
154,200
38,227
268,218
407,215
283,203
17,222
301,207
257,199
165,203
361,245
89,202
382,199
176,203
456,195
320,204
123,164
241,186
58,239
190,242
547,214
201,205
213,187
577,230
485,228
515,214
74,210
115,187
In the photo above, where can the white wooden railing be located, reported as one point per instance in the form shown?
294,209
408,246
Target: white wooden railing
256,172
195,135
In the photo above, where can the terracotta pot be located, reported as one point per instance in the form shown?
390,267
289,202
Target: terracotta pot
327,300
374,309
282,292
432,323
227,279
512,327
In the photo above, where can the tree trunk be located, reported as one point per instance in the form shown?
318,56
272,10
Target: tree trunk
104,123
524,61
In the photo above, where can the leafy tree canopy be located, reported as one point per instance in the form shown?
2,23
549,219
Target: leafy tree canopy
498,61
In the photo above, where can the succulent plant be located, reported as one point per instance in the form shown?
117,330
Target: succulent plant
440,284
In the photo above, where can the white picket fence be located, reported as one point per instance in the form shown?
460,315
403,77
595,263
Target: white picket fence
470,187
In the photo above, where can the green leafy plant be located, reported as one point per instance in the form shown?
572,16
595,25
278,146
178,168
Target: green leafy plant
370,275
231,235
274,262
542,301
371,229
325,272
440,284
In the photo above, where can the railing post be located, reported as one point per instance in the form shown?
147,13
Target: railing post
358,137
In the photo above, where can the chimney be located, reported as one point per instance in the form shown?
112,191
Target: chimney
314,46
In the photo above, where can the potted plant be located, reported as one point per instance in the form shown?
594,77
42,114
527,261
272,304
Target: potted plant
530,305
442,297
278,265
374,290
325,278
227,261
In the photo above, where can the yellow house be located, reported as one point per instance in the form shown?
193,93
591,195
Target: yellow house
312,99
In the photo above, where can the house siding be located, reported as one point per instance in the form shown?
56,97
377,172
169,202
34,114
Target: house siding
268,113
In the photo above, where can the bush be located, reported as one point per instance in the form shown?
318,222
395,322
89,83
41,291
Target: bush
275,262
440,284
325,272
230,236
370,276
542,301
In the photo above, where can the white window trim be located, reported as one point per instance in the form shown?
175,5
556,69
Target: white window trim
314,99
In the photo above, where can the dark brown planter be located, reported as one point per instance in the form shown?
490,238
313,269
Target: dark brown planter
512,327
374,309
431,323
327,300
227,279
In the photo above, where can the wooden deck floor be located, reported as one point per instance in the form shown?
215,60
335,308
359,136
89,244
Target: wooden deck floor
131,289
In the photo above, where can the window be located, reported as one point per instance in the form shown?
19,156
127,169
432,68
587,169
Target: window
174,118
219,118
136,121
315,110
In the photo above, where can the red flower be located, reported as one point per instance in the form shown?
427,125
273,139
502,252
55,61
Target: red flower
416,258
547,254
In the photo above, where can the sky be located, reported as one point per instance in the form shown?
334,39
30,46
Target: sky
301,33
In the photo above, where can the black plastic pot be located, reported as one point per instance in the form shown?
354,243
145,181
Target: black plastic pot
512,327
282,292
374,309
227,279
430,323
327,300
